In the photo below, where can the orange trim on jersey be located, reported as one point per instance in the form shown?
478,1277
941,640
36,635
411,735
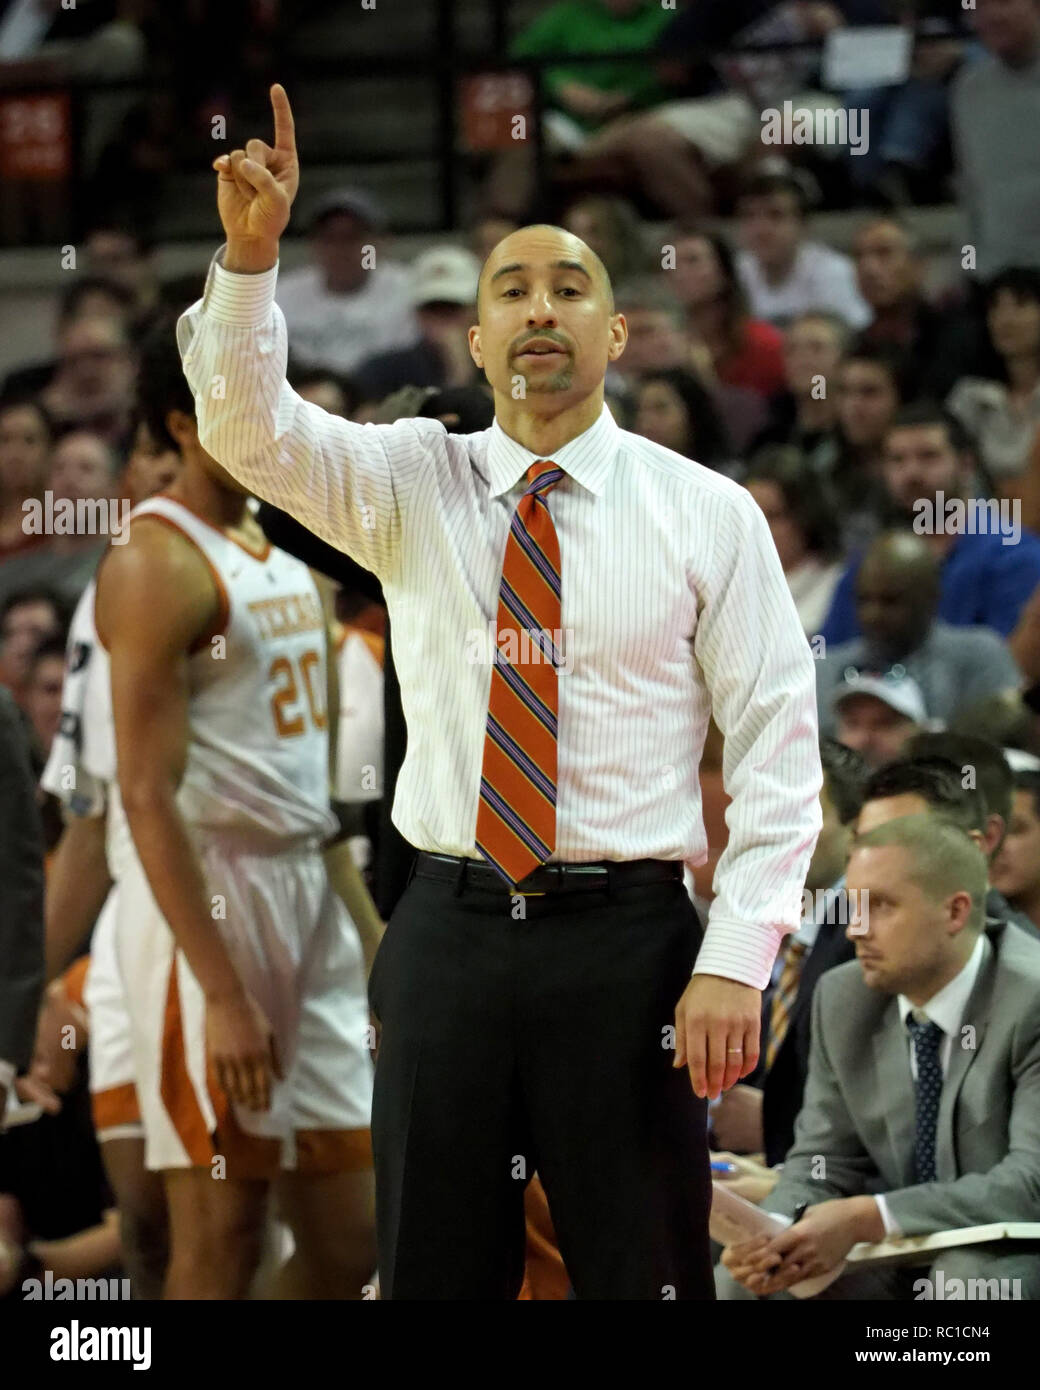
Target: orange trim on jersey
223,618
74,980
249,1156
333,1151
242,545
176,1088
118,1105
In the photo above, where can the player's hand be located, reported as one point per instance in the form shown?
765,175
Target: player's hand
717,1024
256,186
241,1046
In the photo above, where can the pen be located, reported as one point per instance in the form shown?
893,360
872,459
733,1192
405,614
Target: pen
799,1212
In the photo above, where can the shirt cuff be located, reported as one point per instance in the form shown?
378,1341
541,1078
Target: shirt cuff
239,299
892,1226
741,951
8,1072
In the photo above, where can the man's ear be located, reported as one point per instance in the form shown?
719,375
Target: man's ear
474,345
959,906
183,427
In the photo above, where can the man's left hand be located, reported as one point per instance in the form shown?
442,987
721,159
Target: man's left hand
812,1246
717,1024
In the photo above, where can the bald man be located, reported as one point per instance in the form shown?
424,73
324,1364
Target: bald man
570,605
897,591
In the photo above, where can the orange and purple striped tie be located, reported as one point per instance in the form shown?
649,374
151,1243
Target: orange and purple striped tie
516,818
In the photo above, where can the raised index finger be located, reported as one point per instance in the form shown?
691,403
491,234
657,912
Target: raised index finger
284,125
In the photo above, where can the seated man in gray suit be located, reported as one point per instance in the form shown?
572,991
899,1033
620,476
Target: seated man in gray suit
922,1103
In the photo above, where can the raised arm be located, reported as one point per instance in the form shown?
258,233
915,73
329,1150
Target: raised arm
350,484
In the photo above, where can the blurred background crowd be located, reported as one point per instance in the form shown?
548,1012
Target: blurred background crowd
846,334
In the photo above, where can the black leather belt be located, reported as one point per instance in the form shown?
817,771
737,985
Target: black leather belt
550,878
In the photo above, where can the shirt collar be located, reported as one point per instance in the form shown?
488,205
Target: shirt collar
588,458
947,1007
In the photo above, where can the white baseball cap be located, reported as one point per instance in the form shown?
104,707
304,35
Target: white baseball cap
445,275
892,687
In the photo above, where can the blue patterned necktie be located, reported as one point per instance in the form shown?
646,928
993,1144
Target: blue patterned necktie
927,1040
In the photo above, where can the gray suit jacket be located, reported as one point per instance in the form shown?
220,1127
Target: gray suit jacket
21,891
855,1131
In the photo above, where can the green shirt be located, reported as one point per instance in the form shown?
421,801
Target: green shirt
588,26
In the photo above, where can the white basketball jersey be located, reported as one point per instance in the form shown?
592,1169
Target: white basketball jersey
258,748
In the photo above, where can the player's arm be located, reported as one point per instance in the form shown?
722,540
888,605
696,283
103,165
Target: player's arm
77,884
155,600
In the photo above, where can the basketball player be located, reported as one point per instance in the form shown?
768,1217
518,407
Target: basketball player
80,895
244,977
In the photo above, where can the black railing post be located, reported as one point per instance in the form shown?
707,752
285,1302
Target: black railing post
446,97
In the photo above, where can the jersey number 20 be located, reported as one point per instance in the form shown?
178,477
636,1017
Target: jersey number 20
288,719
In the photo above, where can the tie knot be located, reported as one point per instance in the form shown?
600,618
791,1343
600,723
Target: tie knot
542,477
926,1034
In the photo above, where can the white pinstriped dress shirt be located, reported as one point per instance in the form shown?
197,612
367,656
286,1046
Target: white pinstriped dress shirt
674,605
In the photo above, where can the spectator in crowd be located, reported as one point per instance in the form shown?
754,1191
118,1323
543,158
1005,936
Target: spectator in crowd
981,763
42,698
1002,414
806,412
927,965
993,103
84,297
21,900
93,380
27,619
988,566
871,383
890,273
351,302
83,473
656,337
783,272
897,594
26,437
674,409
937,781
877,713
802,518
908,123
444,296
123,256
611,227
487,231
744,351
95,42
683,152
1016,865
582,98
337,394
760,1115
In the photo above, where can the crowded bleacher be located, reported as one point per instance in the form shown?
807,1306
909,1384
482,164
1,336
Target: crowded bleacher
852,335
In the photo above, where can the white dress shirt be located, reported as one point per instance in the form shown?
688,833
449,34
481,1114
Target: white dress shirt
947,1010
674,605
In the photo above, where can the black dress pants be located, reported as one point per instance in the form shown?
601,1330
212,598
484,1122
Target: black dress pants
542,1042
